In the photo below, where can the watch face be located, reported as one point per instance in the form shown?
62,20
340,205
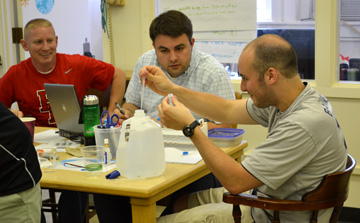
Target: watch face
188,131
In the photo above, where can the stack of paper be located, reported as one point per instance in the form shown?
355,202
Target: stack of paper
176,155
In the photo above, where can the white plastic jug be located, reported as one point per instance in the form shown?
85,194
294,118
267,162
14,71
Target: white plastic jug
140,152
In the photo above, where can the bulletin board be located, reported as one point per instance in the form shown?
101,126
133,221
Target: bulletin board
222,28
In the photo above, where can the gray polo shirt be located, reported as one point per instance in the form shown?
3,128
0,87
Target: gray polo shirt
303,144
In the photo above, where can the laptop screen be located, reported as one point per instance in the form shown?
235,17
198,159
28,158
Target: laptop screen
65,106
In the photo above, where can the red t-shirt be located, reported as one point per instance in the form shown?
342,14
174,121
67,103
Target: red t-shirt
22,83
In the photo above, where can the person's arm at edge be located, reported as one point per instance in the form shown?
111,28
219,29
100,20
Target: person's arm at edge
118,84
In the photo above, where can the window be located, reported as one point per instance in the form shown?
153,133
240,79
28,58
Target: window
303,42
349,45
291,19
294,20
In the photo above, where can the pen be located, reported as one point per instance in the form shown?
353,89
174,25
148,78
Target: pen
70,164
118,106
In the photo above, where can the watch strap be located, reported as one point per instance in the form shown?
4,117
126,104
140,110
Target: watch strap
189,129
194,124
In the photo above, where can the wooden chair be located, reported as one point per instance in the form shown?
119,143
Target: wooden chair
238,96
50,205
331,192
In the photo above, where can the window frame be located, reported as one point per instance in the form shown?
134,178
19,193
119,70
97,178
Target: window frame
327,40
327,37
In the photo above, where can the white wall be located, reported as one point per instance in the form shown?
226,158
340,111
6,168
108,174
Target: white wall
73,22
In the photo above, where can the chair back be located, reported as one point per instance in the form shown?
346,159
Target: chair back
333,184
331,192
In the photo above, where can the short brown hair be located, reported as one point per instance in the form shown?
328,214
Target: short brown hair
171,23
273,51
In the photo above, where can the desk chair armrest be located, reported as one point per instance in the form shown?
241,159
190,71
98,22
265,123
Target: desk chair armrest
279,205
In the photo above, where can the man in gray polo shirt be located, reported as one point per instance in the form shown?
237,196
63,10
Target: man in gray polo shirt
304,141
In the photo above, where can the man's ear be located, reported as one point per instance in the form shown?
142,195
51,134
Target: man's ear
24,45
192,42
271,75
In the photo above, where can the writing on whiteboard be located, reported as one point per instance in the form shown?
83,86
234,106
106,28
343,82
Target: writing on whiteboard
223,51
215,15
213,9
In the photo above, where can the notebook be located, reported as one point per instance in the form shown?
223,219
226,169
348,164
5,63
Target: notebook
66,108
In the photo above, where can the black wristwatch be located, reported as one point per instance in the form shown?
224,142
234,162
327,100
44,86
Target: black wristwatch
189,129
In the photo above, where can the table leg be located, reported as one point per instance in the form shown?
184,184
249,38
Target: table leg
143,213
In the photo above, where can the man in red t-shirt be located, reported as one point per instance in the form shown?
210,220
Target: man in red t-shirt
24,82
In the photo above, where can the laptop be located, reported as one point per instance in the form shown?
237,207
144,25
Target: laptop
66,109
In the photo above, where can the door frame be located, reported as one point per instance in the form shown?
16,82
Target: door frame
10,13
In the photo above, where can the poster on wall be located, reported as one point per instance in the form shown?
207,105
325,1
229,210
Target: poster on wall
44,6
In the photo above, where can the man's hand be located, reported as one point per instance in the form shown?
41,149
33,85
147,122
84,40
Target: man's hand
176,116
19,114
129,110
122,117
156,80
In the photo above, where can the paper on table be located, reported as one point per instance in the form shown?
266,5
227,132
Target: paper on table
46,145
80,163
176,155
47,136
60,145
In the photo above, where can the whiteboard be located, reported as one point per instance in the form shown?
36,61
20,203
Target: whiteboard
222,28
223,51
215,15
244,36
